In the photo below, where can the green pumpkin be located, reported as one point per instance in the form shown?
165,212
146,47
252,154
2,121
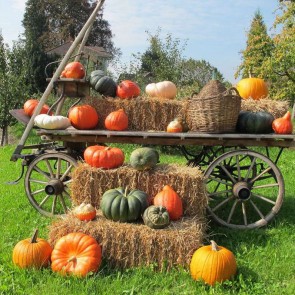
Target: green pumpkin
255,122
102,83
119,204
144,158
156,217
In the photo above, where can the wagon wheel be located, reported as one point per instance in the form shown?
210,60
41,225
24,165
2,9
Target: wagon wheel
47,183
245,189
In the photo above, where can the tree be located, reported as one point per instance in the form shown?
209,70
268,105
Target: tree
163,60
280,66
13,86
259,47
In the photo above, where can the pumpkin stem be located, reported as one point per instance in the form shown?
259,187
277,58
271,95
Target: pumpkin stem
214,246
250,73
34,237
126,189
72,259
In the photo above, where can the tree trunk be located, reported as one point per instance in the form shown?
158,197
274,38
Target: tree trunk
4,138
293,110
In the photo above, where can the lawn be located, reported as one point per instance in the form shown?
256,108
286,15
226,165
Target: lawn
265,256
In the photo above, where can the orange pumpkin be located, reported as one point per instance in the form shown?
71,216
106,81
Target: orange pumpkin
33,252
283,125
85,212
83,117
128,89
169,199
175,126
104,156
116,120
254,88
73,70
77,254
31,104
213,264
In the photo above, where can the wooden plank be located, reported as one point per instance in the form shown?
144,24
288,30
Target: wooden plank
20,116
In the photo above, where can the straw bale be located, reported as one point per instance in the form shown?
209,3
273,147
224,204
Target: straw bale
90,183
126,245
276,107
143,113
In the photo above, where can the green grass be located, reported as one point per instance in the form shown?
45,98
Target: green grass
265,257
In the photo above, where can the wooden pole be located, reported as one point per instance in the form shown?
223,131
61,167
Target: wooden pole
54,79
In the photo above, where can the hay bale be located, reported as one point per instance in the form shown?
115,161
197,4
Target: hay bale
144,113
126,245
276,107
90,183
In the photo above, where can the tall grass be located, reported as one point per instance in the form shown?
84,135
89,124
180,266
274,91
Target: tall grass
265,257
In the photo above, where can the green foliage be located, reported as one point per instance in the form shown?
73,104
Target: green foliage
280,66
259,47
13,86
164,60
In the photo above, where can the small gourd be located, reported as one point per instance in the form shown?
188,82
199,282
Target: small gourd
73,70
175,126
84,212
213,264
283,125
144,158
156,217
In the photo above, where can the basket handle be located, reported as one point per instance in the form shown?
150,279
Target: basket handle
231,90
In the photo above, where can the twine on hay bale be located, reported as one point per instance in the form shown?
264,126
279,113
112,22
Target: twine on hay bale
90,183
143,113
277,108
127,245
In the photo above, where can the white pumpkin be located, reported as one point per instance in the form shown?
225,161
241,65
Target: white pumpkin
164,89
51,122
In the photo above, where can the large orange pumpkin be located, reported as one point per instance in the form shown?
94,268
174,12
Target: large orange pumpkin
33,252
213,264
128,89
74,70
254,88
76,254
104,156
169,199
83,117
31,104
116,120
283,125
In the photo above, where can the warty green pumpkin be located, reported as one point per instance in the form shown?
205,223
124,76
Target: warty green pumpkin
144,158
120,204
156,217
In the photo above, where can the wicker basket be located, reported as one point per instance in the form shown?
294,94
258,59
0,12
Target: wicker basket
215,112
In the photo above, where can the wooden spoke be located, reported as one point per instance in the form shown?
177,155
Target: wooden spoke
220,181
42,172
66,172
244,213
219,193
63,202
44,200
58,167
68,181
232,210
53,205
228,174
222,203
38,191
257,210
238,167
259,175
250,169
38,181
49,168
264,198
265,185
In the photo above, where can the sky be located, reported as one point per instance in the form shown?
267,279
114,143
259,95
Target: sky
213,30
